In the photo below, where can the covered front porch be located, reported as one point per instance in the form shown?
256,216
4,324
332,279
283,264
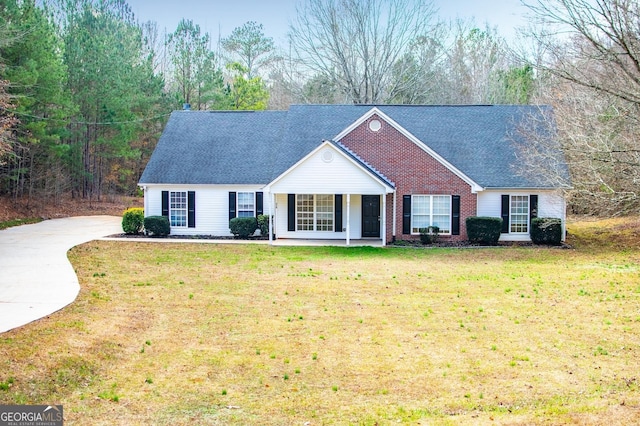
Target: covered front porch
330,195
349,218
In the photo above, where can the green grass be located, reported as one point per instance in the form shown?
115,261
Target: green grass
253,334
17,222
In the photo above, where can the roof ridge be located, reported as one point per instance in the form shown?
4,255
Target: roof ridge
366,164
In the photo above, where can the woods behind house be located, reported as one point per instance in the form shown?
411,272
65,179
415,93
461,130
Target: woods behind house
86,88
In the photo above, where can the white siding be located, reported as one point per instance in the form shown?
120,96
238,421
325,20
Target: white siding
315,175
550,204
212,206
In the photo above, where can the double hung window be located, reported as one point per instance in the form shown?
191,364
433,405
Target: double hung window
178,208
431,210
246,204
519,214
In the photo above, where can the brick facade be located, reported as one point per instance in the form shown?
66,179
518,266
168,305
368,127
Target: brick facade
411,169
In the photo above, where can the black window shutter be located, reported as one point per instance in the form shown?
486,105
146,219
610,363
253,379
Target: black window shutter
455,215
505,214
406,214
291,212
533,206
191,209
259,203
165,203
232,205
338,211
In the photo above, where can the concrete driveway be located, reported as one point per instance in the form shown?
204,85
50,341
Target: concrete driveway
36,278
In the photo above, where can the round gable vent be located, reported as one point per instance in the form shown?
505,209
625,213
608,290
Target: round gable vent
375,125
327,156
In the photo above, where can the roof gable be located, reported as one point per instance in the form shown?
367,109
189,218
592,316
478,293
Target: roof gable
334,162
377,112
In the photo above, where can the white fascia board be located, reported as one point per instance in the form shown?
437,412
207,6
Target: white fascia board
474,186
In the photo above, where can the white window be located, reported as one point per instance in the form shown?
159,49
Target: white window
178,208
431,210
519,214
246,204
314,212
324,212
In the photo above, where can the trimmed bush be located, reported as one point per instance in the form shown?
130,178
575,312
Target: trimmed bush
133,220
157,226
263,224
429,235
243,227
546,230
484,230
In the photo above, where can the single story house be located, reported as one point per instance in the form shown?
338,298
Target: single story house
351,172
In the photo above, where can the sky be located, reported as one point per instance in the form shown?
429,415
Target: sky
220,17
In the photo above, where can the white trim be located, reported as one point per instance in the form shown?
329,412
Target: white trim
388,189
255,207
176,209
527,214
474,186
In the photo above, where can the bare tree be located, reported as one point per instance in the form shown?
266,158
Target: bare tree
356,43
539,150
594,43
599,135
420,73
592,64
473,64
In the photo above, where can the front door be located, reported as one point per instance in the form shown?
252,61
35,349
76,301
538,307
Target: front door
370,216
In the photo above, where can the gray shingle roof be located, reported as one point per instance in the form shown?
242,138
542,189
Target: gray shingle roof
210,147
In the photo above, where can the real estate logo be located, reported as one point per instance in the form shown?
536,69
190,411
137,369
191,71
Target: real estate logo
31,415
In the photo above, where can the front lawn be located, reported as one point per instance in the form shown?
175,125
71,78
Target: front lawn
169,334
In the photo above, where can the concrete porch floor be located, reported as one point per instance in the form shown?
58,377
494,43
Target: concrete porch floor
337,243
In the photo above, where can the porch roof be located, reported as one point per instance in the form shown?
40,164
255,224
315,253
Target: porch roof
331,168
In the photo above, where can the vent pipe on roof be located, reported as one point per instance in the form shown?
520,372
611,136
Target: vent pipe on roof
186,107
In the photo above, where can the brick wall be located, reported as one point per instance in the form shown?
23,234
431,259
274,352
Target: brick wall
411,169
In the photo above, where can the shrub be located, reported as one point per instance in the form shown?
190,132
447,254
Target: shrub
546,230
484,230
263,224
133,220
429,235
157,226
243,227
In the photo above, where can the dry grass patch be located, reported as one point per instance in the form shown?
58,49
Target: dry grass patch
251,334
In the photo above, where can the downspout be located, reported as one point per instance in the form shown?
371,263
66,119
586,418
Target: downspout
145,201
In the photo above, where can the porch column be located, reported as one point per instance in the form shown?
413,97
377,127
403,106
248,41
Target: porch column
395,211
272,204
348,217
383,230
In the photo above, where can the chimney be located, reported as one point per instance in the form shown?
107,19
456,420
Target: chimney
186,107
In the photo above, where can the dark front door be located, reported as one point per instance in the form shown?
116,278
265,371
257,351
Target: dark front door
370,216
